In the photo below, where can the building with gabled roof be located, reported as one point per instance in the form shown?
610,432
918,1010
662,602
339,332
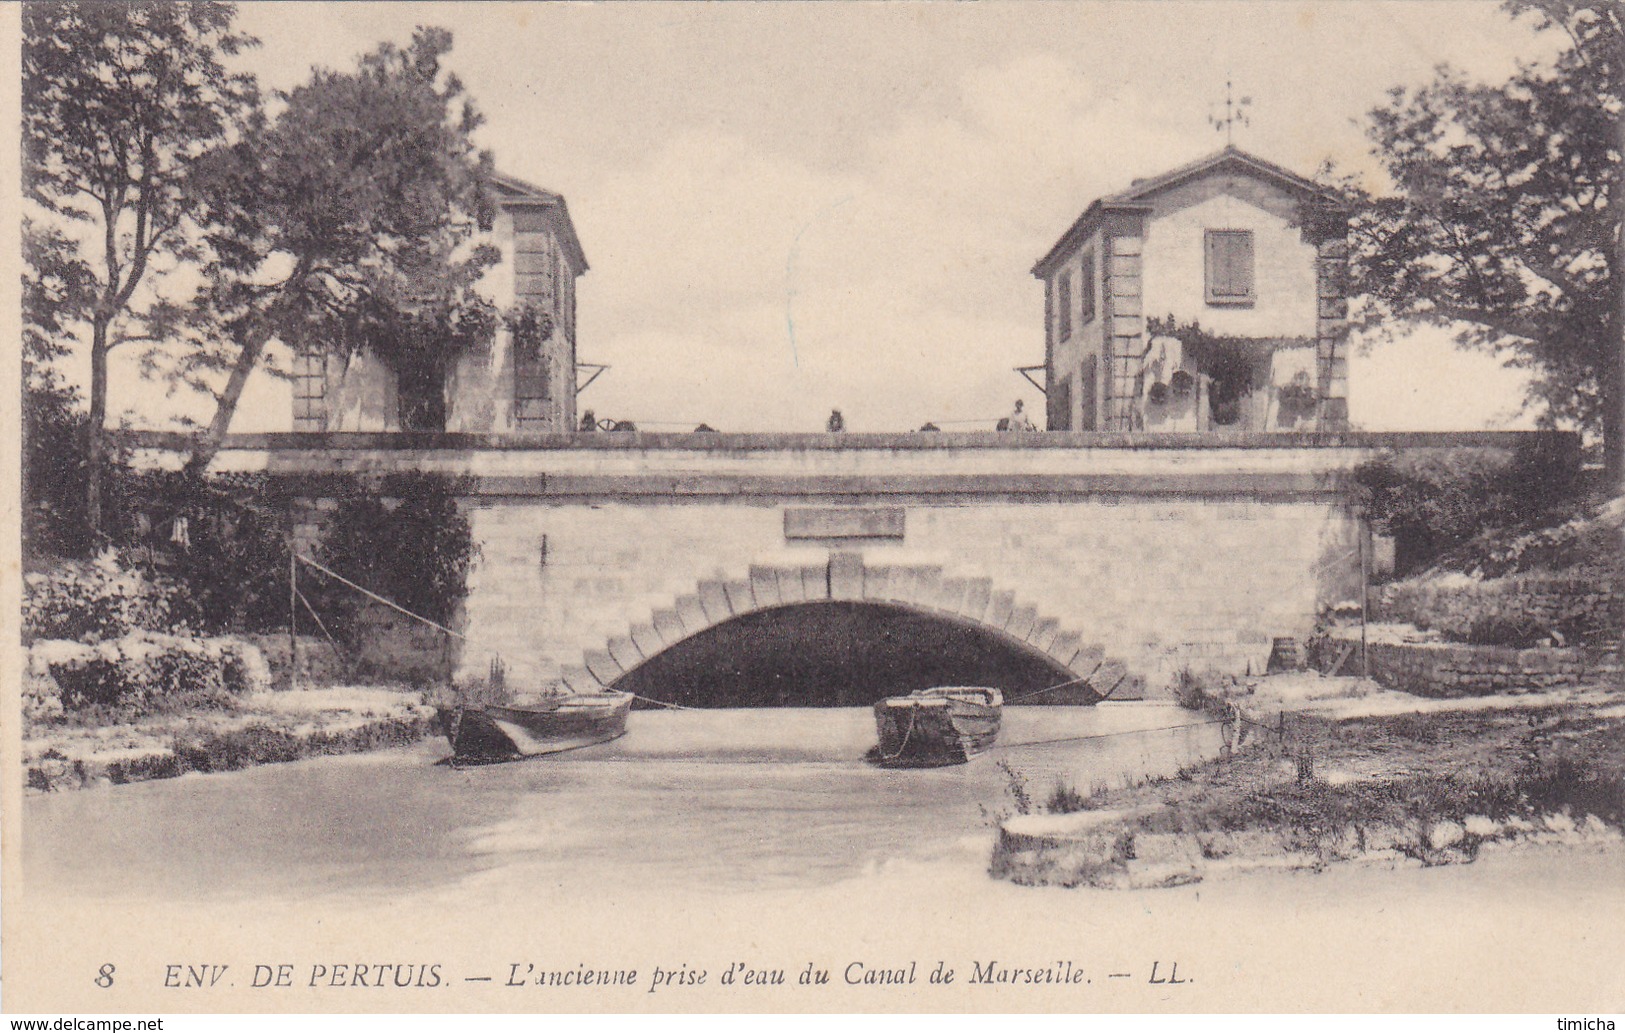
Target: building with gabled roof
518,383
1210,297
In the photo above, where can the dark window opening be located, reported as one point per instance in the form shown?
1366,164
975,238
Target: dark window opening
1063,306
1058,404
1086,289
422,398
530,389
1086,419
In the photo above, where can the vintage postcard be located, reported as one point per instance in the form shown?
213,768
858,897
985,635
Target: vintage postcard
1088,507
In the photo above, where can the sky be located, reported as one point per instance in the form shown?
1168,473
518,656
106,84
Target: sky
790,208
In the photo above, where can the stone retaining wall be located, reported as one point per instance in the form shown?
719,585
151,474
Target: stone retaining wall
1450,669
1583,609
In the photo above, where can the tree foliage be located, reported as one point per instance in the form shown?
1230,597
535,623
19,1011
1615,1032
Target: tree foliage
405,539
118,103
56,292
1504,224
347,222
1442,505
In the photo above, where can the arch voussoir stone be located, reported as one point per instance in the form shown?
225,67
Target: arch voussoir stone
764,586
906,585
1088,658
669,626
978,592
625,652
814,584
1109,677
1022,619
647,639
791,589
578,679
1065,647
691,613
740,599
714,601
603,666
847,578
877,584
999,608
927,586
951,595
1043,633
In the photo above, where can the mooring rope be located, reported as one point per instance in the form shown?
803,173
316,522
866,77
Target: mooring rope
318,618
457,634
655,702
1105,735
907,734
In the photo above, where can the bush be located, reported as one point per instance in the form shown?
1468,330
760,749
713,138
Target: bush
233,554
41,697
55,465
234,750
1516,631
408,542
144,672
1437,502
211,554
100,599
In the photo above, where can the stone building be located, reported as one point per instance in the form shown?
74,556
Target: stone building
519,383
1208,298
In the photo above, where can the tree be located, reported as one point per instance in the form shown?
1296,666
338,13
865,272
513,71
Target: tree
347,223
56,294
1506,225
118,103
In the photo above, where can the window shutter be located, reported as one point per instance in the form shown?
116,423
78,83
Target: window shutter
1063,301
1229,265
1086,289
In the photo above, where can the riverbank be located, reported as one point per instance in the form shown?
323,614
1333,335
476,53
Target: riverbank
1323,771
257,728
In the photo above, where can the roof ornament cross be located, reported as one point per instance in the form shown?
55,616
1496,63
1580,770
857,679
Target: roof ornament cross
1235,113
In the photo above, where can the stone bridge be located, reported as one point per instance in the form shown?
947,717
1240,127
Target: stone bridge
1119,559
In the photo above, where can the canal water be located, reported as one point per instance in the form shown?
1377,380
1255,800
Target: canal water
715,799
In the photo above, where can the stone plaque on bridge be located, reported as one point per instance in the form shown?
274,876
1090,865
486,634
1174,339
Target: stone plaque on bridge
851,522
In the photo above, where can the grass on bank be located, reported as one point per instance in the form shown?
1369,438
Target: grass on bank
1432,786
110,745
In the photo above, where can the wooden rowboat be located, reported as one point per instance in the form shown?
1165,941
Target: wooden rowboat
936,727
488,733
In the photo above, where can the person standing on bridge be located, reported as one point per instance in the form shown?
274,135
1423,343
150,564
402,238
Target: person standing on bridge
1018,420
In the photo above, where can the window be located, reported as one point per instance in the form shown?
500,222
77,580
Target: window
1229,267
310,391
1063,307
421,398
530,389
1086,419
1086,289
1058,404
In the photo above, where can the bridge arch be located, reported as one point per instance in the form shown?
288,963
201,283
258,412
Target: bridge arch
919,588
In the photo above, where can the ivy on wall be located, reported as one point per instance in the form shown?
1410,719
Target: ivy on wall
1235,365
221,545
531,325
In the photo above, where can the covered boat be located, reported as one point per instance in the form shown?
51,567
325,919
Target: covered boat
482,734
935,727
